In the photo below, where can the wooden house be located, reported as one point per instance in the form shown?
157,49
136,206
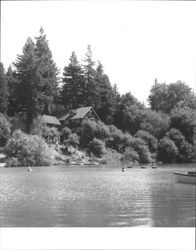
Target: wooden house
51,121
75,117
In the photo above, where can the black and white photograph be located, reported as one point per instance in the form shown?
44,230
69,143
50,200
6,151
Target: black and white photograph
98,114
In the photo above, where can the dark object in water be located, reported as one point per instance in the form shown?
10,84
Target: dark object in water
186,177
192,173
154,165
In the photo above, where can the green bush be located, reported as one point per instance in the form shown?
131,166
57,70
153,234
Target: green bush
5,130
130,156
154,122
39,127
149,139
141,148
12,162
120,141
87,132
96,147
167,150
92,129
182,119
65,133
185,149
126,141
145,156
115,140
111,157
53,135
72,140
186,153
27,150
176,136
50,134
101,131
69,138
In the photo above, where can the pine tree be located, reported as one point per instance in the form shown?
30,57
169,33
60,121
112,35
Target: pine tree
3,90
73,91
89,74
104,103
12,83
115,94
27,92
37,79
47,72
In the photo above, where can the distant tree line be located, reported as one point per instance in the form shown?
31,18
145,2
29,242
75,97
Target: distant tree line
32,87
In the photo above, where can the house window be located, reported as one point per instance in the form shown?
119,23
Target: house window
75,121
66,122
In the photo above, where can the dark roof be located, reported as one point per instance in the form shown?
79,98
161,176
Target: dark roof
50,120
77,113
80,113
64,117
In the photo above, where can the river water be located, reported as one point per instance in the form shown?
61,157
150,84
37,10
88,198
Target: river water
100,196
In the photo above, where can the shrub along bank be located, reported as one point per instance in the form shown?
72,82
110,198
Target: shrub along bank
27,150
95,139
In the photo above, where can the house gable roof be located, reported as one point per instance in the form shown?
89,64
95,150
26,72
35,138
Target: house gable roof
79,113
64,117
50,120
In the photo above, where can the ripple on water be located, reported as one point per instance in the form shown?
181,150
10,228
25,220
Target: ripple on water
81,196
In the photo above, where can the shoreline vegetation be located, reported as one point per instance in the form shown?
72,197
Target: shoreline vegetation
128,132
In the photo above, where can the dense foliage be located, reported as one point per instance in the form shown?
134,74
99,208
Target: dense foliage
167,150
130,156
50,134
96,136
163,131
150,140
5,130
96,147
165,97
3,90
73,87
185,149
27,150
182,119
36,76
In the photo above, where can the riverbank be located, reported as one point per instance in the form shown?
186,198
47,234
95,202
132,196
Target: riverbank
76,157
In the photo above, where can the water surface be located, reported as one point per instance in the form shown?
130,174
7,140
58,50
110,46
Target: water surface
81,196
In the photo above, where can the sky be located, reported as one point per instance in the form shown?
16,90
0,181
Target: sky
136,41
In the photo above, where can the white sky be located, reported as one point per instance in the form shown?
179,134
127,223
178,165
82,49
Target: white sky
136,41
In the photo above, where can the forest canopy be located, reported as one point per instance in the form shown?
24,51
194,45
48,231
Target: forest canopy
32,86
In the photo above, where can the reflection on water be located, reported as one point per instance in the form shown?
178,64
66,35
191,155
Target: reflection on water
95,196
